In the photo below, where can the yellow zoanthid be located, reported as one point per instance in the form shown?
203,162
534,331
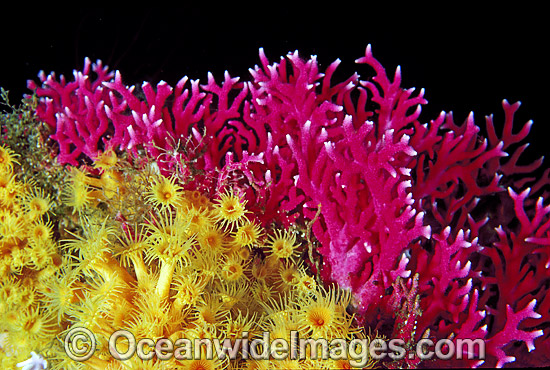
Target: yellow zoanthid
241,325
247,235
233,295
13,226
10,188
131,249
152,316
233,268
7,159
230,210
170,243
77,193
265,270
262,292
212,238
40,232
198,200
189,288
200,219
36,325
206,261
288,277
164,192
106,160
211,313
93,245
137,251
306,284
64,290
36,203
324,315
282,244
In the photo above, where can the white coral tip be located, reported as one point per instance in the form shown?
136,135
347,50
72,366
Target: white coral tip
36,362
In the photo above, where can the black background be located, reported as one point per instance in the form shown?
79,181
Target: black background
466,58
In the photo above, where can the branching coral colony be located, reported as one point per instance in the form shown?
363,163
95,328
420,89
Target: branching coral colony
286,202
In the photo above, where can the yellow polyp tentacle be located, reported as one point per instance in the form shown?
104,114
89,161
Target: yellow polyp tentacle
165,279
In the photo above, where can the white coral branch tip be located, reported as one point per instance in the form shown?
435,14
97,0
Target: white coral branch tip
36,362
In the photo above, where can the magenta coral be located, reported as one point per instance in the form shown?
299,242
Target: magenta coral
75,110
434,218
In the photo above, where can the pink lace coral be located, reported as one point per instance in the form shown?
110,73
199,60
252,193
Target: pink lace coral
434,218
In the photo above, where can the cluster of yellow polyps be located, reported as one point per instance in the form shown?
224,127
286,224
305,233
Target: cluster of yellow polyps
146,256
28,261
